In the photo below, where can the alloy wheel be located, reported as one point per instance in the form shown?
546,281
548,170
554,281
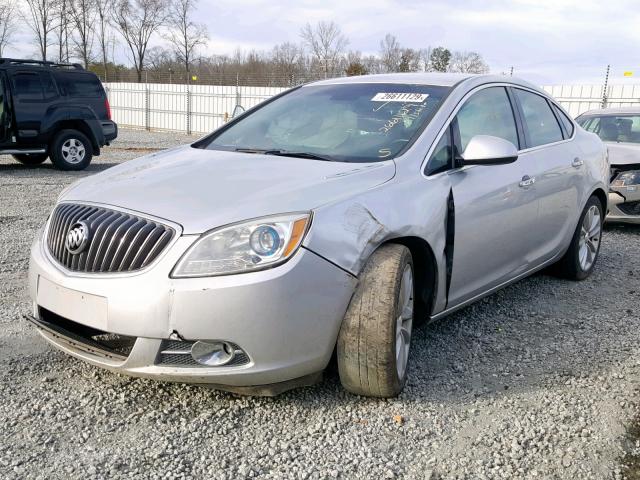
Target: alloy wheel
73,151
590,234
404,322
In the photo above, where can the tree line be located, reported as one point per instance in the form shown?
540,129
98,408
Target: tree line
90,32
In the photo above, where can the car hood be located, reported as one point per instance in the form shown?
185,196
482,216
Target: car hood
204,189
623,153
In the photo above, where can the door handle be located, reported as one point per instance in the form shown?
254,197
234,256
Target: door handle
577,162
527,181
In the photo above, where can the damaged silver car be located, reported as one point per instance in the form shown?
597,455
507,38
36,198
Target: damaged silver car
619,129
328,219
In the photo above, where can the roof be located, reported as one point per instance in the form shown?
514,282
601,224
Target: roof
431,78
614,111
426,78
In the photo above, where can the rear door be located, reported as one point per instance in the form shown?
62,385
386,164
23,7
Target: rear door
495,207
555,164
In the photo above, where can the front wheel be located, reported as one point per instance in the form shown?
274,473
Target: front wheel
375,337
71,150
580,259
30,158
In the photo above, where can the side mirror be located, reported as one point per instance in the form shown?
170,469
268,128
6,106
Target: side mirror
238,110
489,150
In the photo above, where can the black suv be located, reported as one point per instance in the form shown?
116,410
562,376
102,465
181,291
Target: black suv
52,110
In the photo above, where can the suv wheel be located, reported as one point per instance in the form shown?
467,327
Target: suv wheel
71,150
31,158
374,340
578,262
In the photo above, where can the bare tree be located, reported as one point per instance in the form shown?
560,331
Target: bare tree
40,16
137,21
103,9
390,53
83,15
62,19
287,59
326,44
468,62
184,34
409,60
7,23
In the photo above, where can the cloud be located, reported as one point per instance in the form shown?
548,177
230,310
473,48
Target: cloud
548,41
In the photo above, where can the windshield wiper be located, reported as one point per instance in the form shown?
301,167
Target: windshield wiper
312,156
286,153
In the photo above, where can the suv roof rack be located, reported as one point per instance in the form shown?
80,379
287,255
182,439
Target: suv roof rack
16,61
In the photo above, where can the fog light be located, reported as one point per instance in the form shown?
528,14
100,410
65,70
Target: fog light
213,354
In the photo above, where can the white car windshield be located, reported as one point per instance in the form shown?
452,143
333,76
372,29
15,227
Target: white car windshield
613,128
342,122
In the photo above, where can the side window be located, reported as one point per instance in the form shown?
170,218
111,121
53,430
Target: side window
48,86
568,124
590,124
541,123
488,112
441,158
27,86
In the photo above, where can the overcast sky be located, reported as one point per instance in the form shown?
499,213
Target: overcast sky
546,41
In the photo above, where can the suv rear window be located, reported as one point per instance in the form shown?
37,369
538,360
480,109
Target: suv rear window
82,85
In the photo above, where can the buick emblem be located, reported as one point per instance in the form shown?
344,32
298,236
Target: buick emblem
77,238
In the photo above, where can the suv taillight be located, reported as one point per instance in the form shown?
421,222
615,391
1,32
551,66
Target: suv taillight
108,107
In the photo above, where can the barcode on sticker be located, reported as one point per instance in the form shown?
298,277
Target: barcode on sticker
400,97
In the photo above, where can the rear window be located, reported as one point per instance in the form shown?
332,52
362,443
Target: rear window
82,85
566,123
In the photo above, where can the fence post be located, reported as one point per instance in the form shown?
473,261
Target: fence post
147,108
605,88
238,95
188,110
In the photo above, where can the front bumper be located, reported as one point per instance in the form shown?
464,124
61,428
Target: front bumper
286,319
623,204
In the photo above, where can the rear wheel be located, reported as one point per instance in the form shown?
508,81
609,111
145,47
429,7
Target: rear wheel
375,337
580,259
30,158
71,150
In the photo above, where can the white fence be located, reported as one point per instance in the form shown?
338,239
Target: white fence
578,99
184,108
203,108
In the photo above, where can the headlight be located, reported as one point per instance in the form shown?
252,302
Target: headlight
626,179
244,247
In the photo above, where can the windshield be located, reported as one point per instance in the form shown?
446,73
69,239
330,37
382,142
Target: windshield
613,128
345,122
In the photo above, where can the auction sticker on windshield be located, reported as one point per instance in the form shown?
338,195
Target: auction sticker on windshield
400,97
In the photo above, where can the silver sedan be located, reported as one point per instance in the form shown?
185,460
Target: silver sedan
329,219
619,129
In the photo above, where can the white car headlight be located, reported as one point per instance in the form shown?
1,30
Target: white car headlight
244,247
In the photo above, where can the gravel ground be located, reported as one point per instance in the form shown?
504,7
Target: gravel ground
537,381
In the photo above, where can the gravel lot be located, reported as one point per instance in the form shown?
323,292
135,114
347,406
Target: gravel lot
538,381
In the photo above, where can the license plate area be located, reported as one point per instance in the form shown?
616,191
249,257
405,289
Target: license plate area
80,307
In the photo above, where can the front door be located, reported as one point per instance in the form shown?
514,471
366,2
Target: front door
496,207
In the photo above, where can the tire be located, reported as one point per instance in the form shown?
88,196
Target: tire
368,363
31,158
581,258
71,150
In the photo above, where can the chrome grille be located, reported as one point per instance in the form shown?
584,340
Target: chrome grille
177,353
119,241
